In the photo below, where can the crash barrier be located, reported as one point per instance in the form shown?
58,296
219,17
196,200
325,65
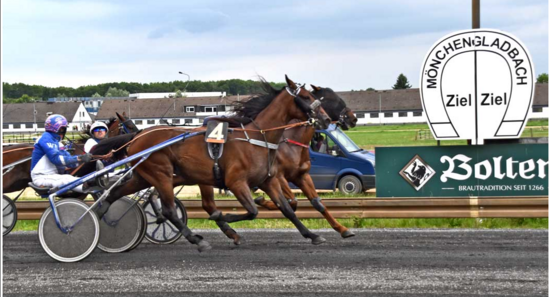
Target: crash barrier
473,207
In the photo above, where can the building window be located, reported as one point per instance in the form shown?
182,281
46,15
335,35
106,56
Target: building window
388,114
190,109
403,114
417,113
537,109
139,122
360,115
175,121
40,125
210,109
150,122
188,121
16,126
5,126
373,115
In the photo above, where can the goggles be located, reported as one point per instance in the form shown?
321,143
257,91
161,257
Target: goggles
99,129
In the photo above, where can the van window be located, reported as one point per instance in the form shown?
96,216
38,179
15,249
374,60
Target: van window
345,141
321,143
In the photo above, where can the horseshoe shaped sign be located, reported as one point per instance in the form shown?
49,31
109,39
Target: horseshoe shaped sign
477,84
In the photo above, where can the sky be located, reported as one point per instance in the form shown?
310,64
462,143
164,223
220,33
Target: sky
345,45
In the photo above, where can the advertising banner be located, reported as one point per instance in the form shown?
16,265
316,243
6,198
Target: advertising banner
462,171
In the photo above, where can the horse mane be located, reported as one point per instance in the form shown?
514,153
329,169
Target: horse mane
245,111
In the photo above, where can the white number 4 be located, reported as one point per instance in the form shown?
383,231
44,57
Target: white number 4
217,132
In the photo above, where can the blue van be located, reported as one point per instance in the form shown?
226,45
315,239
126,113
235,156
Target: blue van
337,162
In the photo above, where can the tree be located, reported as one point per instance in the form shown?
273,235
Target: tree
371,89
114,92
179,94
401,83
96,95
542,78
60,95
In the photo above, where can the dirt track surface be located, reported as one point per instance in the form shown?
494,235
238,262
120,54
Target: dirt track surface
281,263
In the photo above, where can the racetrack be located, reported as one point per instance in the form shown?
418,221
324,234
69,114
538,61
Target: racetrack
376,262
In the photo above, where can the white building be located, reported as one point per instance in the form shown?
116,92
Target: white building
172,94
30,117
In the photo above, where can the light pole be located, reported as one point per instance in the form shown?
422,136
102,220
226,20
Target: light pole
188,79
379,107
34,113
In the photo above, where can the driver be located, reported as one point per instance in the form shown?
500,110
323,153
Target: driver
98,131
47,156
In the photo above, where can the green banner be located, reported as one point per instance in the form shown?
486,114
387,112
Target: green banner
462,171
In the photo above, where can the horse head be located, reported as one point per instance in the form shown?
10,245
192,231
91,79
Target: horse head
307,105
335,107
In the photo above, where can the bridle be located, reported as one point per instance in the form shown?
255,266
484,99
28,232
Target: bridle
343,117
310,110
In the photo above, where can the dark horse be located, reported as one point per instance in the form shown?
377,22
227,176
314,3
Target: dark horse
243,165
293,164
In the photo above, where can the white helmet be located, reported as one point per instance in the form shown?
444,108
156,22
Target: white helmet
98,125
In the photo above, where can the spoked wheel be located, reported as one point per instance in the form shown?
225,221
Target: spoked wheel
9,215
121,226
165,233
79,242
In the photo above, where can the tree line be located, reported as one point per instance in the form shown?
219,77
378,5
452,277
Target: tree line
20,92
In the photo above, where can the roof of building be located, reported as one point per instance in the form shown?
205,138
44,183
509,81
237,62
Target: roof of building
358,101
24,112
161,107
409,99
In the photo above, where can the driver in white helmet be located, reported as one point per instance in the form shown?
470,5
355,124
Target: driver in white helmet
98,131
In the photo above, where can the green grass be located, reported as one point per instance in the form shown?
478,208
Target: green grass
484,223
369,137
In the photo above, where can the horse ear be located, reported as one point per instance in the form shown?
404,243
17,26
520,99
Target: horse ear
290,83
316,88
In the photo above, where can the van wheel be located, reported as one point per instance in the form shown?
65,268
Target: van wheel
350,184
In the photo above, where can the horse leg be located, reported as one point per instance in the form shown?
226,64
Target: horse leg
272,187
287,192
305,183
242,192
209,205
160,177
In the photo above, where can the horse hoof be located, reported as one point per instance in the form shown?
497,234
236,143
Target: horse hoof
259,200
215,216
348,233
203,245
318,240
237,240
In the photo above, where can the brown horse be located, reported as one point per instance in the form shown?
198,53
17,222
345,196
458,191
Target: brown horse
20,175
243,165
293,164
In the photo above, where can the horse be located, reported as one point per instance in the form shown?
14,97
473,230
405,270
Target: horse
293,164
243,165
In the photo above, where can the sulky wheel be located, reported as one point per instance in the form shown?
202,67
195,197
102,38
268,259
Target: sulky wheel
143,230
121,226
79,242
165,233
9,215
